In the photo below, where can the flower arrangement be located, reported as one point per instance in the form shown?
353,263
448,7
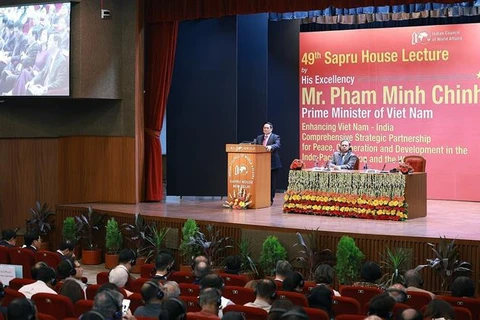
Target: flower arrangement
238,200
353,195
296,164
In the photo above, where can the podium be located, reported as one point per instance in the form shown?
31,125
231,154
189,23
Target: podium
248,167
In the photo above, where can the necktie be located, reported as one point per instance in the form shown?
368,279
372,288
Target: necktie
265,139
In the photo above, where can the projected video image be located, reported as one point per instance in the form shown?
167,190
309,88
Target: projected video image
35,50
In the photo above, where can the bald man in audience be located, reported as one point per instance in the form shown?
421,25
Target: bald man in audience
414,282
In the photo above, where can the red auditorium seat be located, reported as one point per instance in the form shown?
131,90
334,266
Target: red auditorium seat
54,305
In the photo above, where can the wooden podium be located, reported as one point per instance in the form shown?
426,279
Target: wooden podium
248,167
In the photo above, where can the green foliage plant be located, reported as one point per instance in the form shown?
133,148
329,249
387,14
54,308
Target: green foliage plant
189,230
349,261
248,265
211,244
155,241
272,251
69,230
113,237
395,261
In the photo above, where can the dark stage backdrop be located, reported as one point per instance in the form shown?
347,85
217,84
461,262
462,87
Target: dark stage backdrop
231,75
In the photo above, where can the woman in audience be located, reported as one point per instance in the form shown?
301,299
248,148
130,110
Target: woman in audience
463,287
293,282
72,290
370,273
324,277
439,309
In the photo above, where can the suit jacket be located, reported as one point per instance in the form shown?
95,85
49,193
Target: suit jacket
6,244
58,77
348,162
274,142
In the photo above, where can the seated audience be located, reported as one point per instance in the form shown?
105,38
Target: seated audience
73,291
9,238
173,309
153,295
213,280
411,314
382,306
46,281
324,277
172,289
71,271
108,303
265,294
233,264
295,313
397,292
279,307
251,284
293,282
120,275
321,298
439,309
210,301
463,287
65,250
32,241
163,266
200,270
370,273
282,269
414,282
22,309
234,316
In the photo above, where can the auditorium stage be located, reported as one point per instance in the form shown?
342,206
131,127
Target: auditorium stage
453,219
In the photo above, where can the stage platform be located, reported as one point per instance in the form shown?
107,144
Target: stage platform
453,219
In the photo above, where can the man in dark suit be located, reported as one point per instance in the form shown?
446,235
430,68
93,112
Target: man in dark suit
344,158
271,141
32,241
9,238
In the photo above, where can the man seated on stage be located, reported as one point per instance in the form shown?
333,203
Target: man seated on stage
344,158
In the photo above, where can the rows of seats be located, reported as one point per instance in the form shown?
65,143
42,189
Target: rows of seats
27,258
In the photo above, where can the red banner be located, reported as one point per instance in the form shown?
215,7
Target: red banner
395,92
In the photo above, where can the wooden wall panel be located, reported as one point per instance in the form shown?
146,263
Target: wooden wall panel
97,169
28,172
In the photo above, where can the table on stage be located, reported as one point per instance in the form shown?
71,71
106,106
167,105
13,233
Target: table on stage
358,194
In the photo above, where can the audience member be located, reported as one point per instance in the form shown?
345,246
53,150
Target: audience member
293,282
411,314
414,282
32,241
370,273
153,295
163,266
397,292
9,238
463,287
252,284
201,269
22,309
234,316
213,280
172,289
282,269
173,309
71,271
279,307
321,298
73,291
265,294
439,309
120,275
324,277
233,264
46,281
108,303
381,305
210,301
65,250
295,313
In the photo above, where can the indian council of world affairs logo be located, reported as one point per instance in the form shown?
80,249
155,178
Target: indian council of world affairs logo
421,37
241,167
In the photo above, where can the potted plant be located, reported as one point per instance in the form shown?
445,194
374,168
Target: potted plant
272,251
136,233
113,243
248,266
88,227
349,261
394,260
42,221
189,230
155,241
309,253
210,244
446,262
69,233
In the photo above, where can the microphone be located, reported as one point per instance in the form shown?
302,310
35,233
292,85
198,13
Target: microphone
254,141
385,164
